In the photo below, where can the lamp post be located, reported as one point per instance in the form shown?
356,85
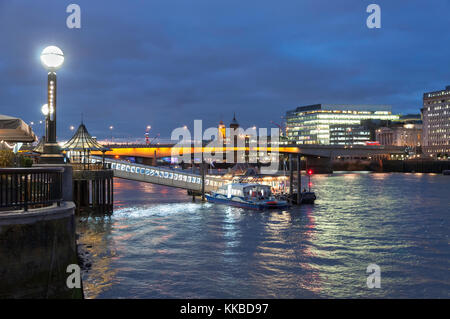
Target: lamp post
147,136
52,59
111,129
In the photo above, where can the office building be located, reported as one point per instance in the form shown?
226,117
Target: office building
436,123
337,124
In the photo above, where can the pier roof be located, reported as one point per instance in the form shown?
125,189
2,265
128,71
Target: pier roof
13,130
83,141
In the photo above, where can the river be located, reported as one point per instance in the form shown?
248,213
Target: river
159,244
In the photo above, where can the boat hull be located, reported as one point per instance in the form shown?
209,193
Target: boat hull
247,205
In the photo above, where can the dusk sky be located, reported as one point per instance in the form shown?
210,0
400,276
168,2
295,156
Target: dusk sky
165,63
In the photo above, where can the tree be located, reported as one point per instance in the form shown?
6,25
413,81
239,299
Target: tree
6,158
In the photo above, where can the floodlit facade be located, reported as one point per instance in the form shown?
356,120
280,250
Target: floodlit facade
409,135
337,124
407,131
436,123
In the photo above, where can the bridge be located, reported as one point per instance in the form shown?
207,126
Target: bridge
193,182
160,176
327,151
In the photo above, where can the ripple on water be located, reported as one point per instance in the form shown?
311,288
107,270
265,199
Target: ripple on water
158,244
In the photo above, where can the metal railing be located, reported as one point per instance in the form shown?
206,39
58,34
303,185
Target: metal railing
23,188
97,166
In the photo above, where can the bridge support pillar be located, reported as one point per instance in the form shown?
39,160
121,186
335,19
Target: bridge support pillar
291,176
319,165
299,180
203,179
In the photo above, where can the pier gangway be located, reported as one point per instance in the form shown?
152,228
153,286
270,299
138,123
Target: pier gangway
160,176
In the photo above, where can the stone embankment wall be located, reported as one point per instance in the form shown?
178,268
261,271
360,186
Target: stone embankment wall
35,249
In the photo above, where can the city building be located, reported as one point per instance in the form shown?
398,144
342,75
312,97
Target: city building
234,123
406,131
436,123
336,123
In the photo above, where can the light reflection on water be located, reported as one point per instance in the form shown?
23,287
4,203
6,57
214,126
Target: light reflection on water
158,244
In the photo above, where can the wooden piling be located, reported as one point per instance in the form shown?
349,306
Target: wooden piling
291,176
93,190
203,179
299,180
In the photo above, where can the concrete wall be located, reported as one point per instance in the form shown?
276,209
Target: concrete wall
417,166
320,165
35,249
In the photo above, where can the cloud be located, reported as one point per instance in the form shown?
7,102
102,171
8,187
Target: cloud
166,63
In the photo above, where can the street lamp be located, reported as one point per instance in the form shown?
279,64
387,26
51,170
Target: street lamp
52,59
111,129
45,110
147,136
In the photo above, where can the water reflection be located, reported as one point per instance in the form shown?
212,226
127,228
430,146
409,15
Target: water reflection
158,244
99,251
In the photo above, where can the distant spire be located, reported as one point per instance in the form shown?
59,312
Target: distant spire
234,122
81,118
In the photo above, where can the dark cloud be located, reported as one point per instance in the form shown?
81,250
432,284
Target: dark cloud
166,63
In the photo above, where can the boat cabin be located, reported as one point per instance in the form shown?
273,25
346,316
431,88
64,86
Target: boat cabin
256,191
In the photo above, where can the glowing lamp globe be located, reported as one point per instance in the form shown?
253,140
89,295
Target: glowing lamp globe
45,110
52,58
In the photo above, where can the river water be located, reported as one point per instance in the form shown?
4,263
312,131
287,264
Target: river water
159,244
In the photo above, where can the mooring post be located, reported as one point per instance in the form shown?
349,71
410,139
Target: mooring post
291,176
78,187
299,180
203,179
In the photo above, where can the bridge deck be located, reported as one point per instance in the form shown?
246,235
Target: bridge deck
158,151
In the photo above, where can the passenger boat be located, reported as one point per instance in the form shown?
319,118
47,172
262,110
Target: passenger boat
251,196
